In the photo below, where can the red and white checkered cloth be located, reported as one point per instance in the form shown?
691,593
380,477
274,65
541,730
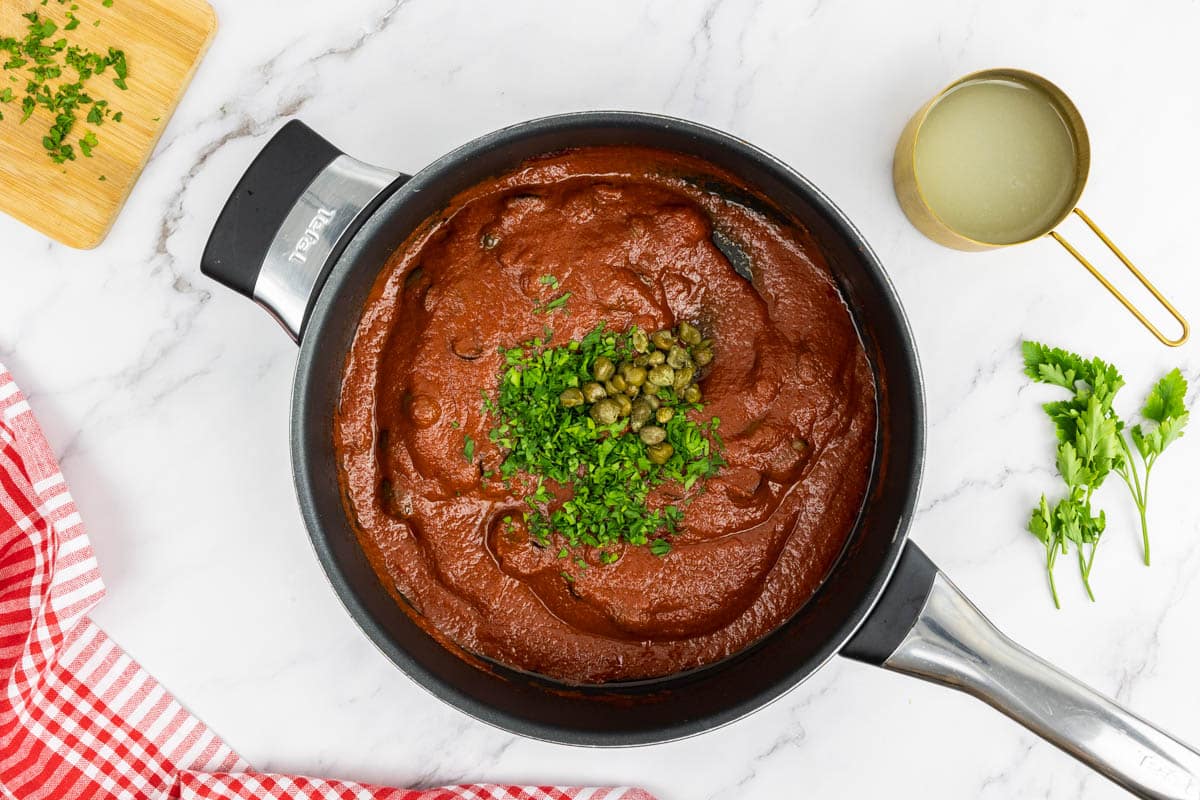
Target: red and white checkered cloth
81,719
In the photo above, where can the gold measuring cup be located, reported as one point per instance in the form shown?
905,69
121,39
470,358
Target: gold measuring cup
1040,221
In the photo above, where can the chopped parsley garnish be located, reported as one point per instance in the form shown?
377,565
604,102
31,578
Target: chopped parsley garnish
55,74
606,469
468,447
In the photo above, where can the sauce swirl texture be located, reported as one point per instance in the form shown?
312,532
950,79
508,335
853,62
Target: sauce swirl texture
628,233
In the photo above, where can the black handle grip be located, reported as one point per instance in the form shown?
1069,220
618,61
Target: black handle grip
897,610
255,211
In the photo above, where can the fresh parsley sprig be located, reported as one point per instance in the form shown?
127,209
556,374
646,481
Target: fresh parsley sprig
1165,408
1088,450
1091,445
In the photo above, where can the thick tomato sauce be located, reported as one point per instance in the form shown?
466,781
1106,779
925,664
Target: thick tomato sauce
628,232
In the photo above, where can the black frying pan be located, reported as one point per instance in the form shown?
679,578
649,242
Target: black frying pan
306,232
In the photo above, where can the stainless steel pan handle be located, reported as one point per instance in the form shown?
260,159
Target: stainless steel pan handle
950,642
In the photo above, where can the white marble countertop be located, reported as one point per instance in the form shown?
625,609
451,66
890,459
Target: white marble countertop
167,397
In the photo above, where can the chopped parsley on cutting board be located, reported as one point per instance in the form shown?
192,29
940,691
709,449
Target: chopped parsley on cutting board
43,68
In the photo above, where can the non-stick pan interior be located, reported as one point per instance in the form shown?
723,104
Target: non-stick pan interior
620,714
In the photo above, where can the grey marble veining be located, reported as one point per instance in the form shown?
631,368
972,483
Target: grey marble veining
167,397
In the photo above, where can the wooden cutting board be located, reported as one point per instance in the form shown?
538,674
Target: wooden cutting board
164,41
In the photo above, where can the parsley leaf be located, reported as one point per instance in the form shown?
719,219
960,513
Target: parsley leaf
553,305
1166,399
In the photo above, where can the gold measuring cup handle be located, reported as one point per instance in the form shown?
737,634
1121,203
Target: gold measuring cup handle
1183,337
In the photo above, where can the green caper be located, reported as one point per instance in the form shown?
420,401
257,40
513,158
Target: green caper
683,377
702,357
656,358
689,333
593,392
618,383
571,398
605,412
705,344
489,240
652,434
652,401
634,375
603,369
640,412
641,361
663,339
625,405
692,394
664,415
641,342
678,358
633,391
659,453
662,375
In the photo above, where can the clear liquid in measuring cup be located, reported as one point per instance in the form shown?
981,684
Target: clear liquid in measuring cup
996,161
